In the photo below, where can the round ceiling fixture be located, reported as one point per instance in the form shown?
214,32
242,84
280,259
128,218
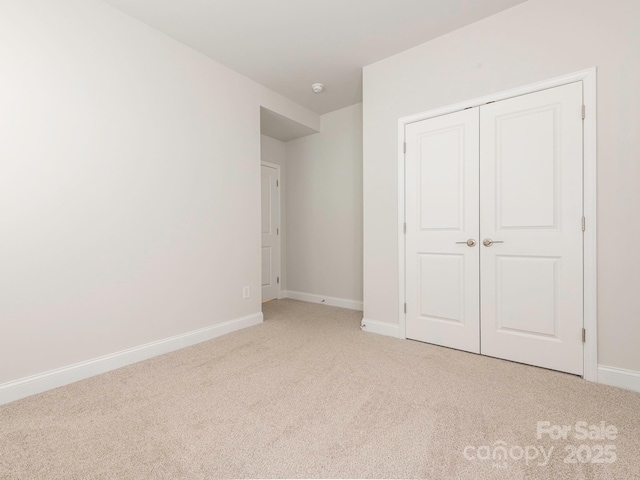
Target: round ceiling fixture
317,87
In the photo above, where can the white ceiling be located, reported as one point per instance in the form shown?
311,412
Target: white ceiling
287,45
281,128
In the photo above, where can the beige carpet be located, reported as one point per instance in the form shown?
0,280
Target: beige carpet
307,394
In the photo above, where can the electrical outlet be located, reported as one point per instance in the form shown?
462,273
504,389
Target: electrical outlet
246,292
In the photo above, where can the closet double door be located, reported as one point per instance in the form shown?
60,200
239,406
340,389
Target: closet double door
494,235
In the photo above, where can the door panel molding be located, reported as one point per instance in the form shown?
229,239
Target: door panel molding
588,79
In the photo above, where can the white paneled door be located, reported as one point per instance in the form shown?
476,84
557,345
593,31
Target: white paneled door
531,201
505,177
270,182
442,263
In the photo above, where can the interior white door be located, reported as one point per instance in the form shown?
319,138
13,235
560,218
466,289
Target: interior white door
270,182
442,269
531,208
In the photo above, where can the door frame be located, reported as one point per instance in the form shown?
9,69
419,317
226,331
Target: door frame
589,192
276,167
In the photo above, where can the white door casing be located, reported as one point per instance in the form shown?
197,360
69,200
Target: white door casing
531,182
271,249
531,199
442,213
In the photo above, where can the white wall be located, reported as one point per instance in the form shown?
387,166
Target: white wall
129,185
275,151
324,209
536,40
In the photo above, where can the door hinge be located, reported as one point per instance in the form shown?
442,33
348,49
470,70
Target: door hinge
278,280
584,224
404,147
277,231
404,229
584,335
405,308
277,183
584,112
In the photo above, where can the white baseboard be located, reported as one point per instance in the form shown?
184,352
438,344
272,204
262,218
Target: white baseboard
381,328
312,298
619,377
59,377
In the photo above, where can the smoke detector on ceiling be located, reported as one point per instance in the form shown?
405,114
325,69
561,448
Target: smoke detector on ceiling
317,87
